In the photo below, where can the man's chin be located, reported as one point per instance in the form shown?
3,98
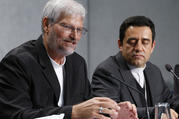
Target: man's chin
68,52
65,51
137,64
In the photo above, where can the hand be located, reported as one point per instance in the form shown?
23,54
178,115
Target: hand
127,111
90,109
174,115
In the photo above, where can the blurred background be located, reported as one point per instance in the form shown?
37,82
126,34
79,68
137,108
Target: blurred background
21,21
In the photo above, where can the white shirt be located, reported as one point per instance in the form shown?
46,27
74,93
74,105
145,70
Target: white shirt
59,73
138,74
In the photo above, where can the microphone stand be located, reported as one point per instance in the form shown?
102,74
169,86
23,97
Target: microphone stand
174,74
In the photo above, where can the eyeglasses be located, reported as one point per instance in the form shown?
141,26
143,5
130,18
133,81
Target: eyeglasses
69,28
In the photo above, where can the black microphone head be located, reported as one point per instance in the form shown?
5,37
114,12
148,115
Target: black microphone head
177,69
168,67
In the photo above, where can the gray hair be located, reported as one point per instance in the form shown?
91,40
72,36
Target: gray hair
54,8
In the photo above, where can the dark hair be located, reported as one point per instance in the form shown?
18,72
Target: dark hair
136,21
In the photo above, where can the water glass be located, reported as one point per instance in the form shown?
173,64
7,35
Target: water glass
162,111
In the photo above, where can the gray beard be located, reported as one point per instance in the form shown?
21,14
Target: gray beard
60,50
64,52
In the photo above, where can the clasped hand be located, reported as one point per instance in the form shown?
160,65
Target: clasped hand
104,108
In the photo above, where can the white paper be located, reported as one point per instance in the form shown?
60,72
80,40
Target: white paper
61,116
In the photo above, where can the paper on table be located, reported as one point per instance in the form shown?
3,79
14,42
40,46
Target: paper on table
61,116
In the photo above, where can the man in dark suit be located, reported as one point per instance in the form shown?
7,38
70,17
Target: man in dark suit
129,76
45,77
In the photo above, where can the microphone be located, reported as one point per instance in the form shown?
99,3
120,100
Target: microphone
176,69
126,84
170,69
176,88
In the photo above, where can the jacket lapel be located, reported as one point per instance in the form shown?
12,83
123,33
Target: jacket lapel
129,79
149,76
67,81
47,68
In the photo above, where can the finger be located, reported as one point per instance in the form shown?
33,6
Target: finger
129,106
105,99
174,114
125,113
134,109
164,116
126,104
106,103
101,116
112,113
109,105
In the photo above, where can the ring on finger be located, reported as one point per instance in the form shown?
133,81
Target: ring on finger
101,109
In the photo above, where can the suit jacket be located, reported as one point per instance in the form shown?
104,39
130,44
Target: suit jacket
176,88
176,81
107,79
29,87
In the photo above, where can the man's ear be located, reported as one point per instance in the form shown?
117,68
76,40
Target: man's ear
153,46
45,24
120,45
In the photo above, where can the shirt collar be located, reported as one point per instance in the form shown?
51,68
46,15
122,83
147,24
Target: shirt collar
136,69
54,63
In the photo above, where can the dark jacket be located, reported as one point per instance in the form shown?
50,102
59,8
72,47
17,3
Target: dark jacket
112,75
29,87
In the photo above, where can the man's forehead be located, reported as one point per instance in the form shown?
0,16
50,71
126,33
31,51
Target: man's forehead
64,15
138,30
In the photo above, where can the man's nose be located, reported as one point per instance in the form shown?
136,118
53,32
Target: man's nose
74,34
139,46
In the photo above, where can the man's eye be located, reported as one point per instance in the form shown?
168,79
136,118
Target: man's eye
146,42
67,26
79,29
132,41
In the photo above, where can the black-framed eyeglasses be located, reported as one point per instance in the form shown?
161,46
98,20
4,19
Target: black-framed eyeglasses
69,28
